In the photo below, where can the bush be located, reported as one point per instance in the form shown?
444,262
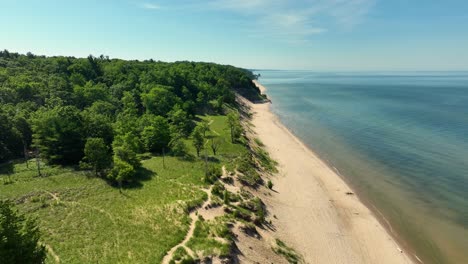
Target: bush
213,173
270,185
218,189
226,197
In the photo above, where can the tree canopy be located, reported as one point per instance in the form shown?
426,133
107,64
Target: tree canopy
70,109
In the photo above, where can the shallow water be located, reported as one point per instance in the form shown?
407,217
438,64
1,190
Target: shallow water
399,138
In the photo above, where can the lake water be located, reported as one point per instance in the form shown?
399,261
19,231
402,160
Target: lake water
399,138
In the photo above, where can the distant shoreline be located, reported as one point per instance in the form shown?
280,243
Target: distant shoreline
317,211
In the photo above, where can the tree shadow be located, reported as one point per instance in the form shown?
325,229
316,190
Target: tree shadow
212,159
141,176
136,182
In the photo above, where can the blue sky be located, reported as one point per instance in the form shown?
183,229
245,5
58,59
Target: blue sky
275,34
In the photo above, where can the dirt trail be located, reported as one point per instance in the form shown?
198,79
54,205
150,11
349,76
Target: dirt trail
52,253
194,217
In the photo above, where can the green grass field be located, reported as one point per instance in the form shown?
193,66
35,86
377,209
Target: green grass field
86,220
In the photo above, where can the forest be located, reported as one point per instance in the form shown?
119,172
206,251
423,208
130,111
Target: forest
100,113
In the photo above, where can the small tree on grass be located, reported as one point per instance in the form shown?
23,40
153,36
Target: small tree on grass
125,166
198,140
122,171
97,155
215,144
204,127
19,237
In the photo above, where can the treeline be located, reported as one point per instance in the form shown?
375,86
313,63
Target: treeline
100,113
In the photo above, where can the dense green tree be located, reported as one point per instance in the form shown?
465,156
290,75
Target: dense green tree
19,238
59,102
157,136
125,164
97,125
97,155
180,122
160,100
125,153
58,134
89,93
122,171
10,137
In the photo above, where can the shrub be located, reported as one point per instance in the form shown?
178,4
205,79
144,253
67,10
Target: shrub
270,185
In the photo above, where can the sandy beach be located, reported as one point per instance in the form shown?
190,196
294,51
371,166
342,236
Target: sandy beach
316,211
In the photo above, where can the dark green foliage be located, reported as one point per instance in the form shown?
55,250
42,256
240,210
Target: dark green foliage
55,103
98,120
10,137
226,197
19,237
58,134
270,185
97,155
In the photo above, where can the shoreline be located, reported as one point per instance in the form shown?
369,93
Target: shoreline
318,212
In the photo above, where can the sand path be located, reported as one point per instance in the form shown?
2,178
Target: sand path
194,217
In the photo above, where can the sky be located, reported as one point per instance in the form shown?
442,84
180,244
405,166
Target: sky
321,35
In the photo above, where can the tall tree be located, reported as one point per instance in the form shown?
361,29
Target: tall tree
156,134
58,134
198,140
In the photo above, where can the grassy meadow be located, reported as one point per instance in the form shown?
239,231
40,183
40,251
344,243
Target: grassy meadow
85,219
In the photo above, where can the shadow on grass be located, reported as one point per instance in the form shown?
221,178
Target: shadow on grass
142,175
136,182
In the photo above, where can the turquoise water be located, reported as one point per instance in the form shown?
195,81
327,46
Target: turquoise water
400,139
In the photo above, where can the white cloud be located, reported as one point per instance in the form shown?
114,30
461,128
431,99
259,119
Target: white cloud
299,20
294,21
150,6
